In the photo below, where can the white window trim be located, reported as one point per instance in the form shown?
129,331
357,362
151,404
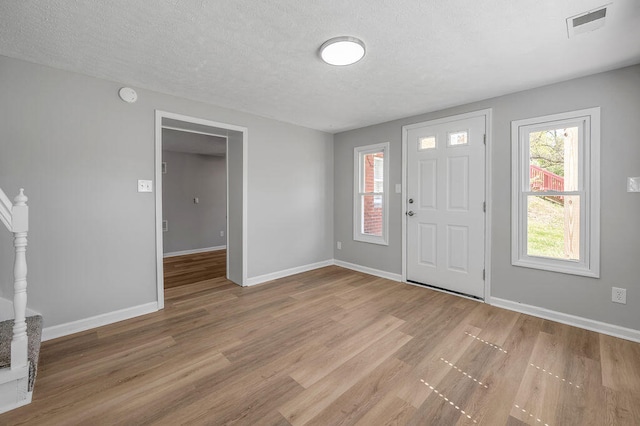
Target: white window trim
358,152
589,171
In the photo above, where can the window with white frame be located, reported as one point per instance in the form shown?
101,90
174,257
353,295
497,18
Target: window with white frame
556,192
370,201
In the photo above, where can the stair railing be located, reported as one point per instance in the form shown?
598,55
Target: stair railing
16,218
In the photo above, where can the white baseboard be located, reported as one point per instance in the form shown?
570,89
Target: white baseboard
286,272
6,310
367,270
581,322
194,251
60,330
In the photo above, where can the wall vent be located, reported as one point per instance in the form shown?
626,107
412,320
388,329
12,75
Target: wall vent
587,21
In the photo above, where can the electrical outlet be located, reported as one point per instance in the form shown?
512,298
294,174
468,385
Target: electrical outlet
145,186
619,295
339,245
222,233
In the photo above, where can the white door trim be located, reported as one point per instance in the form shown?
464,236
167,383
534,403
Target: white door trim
487,114
159,115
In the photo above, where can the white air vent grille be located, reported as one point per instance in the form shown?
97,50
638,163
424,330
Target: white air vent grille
585,22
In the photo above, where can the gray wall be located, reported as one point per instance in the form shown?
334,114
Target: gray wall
618,94
191,225
290,201
235,254
78,151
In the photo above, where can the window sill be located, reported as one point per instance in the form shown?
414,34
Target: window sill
577,269
371,240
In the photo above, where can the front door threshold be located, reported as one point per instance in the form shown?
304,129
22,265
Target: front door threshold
457,293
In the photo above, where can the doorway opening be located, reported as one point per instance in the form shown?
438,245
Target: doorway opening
203,202
194,204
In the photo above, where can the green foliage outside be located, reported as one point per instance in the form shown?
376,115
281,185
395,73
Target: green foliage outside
546,150
545,229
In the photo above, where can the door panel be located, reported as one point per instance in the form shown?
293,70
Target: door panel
428,182
458,244
428,244
458,183
445,193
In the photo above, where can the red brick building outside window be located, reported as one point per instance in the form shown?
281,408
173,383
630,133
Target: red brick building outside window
372,210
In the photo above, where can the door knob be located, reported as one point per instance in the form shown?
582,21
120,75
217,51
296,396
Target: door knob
410,213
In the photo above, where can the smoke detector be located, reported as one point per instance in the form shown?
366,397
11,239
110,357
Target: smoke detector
587,21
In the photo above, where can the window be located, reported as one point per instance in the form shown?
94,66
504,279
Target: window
458,138
370,202
556,192
428,142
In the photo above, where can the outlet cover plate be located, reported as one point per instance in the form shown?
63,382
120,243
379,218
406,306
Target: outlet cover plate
633,184
145,186
619,295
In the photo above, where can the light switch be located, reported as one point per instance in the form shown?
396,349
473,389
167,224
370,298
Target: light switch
196,200
633,184
145,186
398,188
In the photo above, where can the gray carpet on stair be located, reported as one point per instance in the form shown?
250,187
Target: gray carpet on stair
34,331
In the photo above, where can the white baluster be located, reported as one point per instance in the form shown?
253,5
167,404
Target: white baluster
20,227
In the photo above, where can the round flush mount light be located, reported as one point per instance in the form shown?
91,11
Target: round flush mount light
128,95
343,50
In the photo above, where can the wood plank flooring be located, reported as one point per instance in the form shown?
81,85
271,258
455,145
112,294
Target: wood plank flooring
333,347
192,268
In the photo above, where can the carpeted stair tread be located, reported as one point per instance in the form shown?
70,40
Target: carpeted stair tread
34,331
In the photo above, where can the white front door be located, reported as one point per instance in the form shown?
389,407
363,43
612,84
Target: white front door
445,204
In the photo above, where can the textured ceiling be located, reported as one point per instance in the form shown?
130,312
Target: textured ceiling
261,57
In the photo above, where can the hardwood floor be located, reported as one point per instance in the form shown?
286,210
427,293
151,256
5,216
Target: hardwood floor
330,347
193,268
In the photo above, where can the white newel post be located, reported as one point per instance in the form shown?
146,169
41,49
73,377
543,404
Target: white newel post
20,226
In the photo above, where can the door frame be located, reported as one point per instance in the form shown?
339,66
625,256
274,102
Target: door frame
487,114
159,115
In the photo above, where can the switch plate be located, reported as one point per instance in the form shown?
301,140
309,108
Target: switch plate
398,188
339,245
633,184
145,186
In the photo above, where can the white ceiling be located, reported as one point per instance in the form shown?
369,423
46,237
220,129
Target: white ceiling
261,57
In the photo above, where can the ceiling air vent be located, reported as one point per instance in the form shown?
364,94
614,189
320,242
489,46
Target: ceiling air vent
585,22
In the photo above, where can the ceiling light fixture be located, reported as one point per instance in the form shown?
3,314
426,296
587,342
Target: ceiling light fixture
343,50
